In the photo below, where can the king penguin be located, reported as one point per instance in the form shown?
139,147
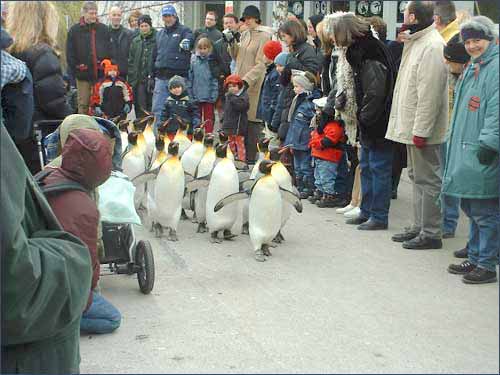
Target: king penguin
203,171
169,190
284,180
133,164
223,182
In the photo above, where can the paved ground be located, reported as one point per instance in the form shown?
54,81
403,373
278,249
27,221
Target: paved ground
331,299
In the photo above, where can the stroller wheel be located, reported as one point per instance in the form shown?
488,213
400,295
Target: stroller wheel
145,261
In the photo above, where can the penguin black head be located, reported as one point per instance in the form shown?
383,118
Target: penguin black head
140,125
223,137
264,144
198,134
162,129
160,143
265,166
274,154
183,125
221,150
123,126
173,148
132,138
209,140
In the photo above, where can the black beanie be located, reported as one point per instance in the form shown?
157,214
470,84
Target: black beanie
251,11
145,18
455,51
316,19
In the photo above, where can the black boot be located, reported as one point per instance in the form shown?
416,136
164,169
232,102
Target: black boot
327,201
316,197
308,188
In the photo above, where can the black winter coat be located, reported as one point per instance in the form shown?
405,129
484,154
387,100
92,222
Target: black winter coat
235,114
83,40
374,79
212,33
48,84
120,42
183,107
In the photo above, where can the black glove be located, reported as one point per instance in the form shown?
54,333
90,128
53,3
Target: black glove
150,84
245,85
486,156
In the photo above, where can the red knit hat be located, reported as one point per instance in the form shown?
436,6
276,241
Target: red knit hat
109,67
233,79
271,49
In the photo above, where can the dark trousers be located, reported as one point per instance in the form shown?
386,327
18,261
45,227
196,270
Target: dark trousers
376,181
143,100
255,130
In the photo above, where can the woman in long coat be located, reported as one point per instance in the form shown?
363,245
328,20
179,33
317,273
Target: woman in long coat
250,66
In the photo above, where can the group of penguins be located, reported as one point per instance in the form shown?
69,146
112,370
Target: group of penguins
202,176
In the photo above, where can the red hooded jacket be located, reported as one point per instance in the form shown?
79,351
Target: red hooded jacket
86,159
333,132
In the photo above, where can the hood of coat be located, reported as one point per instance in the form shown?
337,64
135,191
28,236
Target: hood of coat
86,158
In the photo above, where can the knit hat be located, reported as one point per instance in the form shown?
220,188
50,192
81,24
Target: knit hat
168,10
145,18
281,59
233,79
176,81
271,49
479,27
455,51
250,11
300,78
109,67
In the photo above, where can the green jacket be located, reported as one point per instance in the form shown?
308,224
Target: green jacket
46,276
474,123
140,58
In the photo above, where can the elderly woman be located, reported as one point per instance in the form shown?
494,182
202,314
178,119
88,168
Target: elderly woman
251,67
472,165
374,77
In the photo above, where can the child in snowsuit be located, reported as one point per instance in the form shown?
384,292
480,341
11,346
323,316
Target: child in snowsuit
327,149
235,122
271,86
298,135
203,86
179,105
112,96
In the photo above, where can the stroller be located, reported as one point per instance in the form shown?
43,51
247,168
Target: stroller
123,253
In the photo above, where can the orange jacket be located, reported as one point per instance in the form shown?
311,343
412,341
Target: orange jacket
323,145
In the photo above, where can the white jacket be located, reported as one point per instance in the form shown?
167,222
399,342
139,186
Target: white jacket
420,101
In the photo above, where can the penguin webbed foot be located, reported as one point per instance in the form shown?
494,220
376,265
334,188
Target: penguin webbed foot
279,238
245,229
228,236
184,216
158,230
214,237
259,255
172,235
194,219
202,228
266,251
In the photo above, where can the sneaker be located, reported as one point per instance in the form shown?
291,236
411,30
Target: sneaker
423,243
345,209
373,225
462,253
480,275
407,235
462,268
352,214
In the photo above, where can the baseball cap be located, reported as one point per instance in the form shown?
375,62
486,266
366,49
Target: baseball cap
168,10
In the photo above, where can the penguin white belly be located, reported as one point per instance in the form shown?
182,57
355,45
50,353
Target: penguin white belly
192,158
284,180
204,169
224,182
124,137
133,165
184,143
264,212
246,206
169,190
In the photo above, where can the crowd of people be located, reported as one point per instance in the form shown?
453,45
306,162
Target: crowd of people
347,109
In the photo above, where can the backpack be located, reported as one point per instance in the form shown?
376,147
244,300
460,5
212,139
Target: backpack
57,187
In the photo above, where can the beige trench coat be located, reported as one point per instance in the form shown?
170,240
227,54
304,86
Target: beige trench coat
250,64
420,100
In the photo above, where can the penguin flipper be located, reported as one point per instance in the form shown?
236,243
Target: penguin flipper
146,176
240,165
198,183
230,199
292,197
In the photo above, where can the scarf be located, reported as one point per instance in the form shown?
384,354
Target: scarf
345,84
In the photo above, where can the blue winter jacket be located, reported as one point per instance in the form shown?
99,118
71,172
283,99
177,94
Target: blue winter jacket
169,59
202,86
474,124
299,133
269,95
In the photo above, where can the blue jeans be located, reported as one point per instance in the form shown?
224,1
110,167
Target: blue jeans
325,174
302,165
376,182
450,208
484,239
342,179
160,95
101,316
